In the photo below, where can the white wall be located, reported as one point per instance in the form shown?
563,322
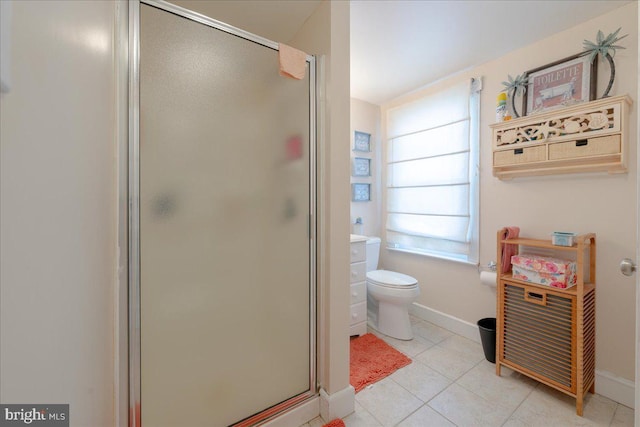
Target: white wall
58,210
598,202
326,34
365,117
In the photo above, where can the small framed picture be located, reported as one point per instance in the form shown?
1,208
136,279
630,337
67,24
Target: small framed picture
361,141
361,167
566,82
360,192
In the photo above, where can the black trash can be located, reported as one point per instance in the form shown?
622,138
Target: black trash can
487,328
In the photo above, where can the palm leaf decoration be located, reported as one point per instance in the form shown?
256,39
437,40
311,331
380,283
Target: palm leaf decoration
515,87
606,48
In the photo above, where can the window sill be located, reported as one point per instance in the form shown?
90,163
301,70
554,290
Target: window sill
437,256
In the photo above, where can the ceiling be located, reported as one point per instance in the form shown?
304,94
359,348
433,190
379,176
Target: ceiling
399,46
277,20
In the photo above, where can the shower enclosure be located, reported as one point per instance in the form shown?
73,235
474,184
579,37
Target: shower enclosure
222,224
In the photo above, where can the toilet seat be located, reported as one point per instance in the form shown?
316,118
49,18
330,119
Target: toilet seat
391,279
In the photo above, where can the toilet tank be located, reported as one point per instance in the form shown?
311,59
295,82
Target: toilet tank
373,253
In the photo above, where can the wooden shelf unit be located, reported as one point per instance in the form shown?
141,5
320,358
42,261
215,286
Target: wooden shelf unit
548,333
587,137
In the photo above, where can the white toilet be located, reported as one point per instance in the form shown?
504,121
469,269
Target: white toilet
389,295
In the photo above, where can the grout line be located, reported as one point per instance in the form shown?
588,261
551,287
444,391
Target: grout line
370,413
413,412
395,382
438,412
435,326
519,405
373,416
455,381
613,416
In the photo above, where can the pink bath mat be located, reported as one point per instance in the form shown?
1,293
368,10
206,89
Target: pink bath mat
372,359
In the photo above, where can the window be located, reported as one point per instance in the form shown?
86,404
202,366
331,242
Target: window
432,174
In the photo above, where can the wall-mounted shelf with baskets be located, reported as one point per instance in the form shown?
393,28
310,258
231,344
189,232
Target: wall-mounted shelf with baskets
587,137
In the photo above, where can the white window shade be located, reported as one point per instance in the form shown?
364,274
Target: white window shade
434,201
412,146
430,112
432,171
440,170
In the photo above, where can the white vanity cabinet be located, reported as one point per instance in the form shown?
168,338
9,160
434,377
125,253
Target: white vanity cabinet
358,286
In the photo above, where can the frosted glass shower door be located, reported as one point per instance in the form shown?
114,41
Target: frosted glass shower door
225,247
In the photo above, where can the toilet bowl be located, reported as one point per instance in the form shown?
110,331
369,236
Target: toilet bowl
389,295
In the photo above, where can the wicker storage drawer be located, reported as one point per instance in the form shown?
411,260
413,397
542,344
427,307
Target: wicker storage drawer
585,137
585,147
520,155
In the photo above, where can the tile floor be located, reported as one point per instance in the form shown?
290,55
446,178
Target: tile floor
450,383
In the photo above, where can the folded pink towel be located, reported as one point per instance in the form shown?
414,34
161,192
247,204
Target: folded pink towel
293,62
509,250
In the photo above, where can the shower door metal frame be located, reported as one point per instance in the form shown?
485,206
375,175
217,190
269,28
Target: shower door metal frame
134,211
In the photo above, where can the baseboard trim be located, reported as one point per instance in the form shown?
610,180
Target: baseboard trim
608,385
337,405
438,318
297,416
615,388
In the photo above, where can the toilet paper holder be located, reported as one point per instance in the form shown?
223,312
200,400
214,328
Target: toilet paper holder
491,266
488,274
